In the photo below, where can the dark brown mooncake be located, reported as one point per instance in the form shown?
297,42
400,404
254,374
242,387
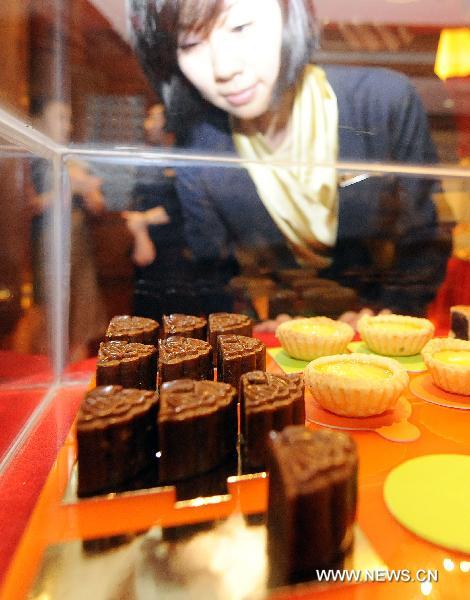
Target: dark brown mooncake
238,354
185,325
116,437
288,277
133,329
460,322
224,323
268,402
127,364
184,358
283,302
197,427
331,301
312,502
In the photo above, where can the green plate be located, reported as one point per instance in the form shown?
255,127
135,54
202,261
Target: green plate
414,364
286,362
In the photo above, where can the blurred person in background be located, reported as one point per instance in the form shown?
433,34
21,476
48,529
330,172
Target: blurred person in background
87,318
156,222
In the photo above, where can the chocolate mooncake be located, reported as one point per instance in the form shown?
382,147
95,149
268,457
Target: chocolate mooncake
460,322
330,301
283,302
238,354
184,358
133,329
288,277
185,325
312,502
268,402
197,427
130,365
116,437
223,323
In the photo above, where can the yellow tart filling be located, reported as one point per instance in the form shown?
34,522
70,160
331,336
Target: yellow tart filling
395,335
312,328
459,358
356,385
355,370
448,361
312,337
394,327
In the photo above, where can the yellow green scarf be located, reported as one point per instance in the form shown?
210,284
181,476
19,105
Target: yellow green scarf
302,200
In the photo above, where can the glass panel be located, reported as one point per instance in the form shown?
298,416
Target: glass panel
25,301
25,268
217,242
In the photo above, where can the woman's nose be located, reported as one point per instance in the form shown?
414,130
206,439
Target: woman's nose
226,61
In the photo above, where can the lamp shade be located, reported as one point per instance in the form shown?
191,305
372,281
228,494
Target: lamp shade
453,53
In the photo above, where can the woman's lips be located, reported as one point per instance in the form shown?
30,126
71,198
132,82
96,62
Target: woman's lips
242,97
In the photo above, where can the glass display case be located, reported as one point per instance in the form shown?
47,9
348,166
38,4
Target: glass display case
100,219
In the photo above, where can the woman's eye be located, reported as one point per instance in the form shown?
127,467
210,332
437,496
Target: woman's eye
187,45
241,27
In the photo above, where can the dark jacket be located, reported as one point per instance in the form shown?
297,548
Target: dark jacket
389,244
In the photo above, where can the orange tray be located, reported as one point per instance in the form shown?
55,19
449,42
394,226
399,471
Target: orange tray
443,430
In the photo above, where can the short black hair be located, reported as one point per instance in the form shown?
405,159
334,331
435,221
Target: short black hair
155,25
300,40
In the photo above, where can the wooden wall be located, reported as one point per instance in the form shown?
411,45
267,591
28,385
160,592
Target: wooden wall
14,53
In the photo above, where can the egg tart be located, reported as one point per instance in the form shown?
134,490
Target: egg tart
448,361
395,335
356,385
312,337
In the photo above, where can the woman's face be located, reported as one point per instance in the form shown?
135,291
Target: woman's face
236,66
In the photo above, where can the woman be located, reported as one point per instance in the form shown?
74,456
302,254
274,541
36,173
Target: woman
237,76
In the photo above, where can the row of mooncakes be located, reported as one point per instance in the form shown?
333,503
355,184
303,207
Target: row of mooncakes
133,352
187,407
